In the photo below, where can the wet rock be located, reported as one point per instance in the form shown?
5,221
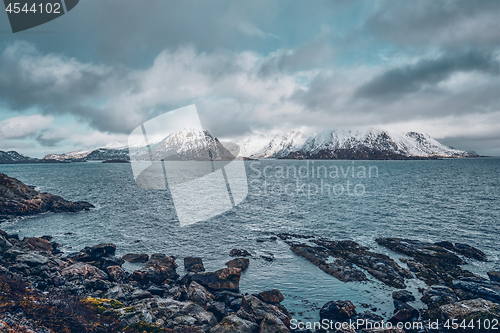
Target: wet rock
37,244
481,288
134,257
403,296
433,264
404,313
116,273
217,308
494,276
338,310
471,309
241,263
234,324
97,284
198,294
340,268
257,309
19,199
82,270
223,279
158,269
271,296
272,324
194,264
101,256
155,290
464,249
4,244
239,253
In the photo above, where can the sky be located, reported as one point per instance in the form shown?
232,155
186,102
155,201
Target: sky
89,77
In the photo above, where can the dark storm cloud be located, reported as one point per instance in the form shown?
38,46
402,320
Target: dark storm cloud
425,74
446,23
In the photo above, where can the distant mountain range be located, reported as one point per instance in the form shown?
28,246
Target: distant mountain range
191,144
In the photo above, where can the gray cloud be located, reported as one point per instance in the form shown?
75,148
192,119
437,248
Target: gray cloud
425,74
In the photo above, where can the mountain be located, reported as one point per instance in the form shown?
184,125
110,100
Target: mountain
184,145
373,144
12,157
103,154
77,154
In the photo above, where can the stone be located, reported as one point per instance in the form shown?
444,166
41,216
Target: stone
239,253
116,273
257,309
223,279
32,259
494,276
82,270
470,309
133,257
480,288
234,324
198,294
338,310
271,296
193,264
38,244
4,243
403,296
272,324
241,263
158,269
141,294
465,250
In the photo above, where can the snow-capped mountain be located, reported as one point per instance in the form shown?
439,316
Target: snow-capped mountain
77,154
373,144
12,157
187,144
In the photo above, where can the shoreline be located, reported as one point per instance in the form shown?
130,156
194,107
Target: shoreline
95,277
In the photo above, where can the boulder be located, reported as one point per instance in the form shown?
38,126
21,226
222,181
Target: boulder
470,309
141,294
198,294
234,324
403,313
158,269
194,264
38,244
480,288
257,309
116,273
271,296
133,257
494,276
272,324
82,270
4,243
32,259
338,310
239,253
241,263
101,256
223,279
403,296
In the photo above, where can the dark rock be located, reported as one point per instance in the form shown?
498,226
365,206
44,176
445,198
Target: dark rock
239,253
32,259
257,310
158,269
272,324
101,256
433,264
82,270
97,284
223,279
198,294
155,290
37,244
133,257
194,264
494,276
116,273
403,310
338,310
141,294
217,308
464,249
403,296
234,324
471,310
19,199
241,263
480,288
271,296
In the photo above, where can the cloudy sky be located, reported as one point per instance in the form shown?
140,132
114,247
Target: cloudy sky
90,77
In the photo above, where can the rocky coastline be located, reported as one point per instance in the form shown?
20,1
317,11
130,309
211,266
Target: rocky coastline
18,199
43,290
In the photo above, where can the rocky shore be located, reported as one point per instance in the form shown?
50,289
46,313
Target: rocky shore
42,290
19,199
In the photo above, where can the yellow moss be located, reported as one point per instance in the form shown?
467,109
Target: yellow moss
101,304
